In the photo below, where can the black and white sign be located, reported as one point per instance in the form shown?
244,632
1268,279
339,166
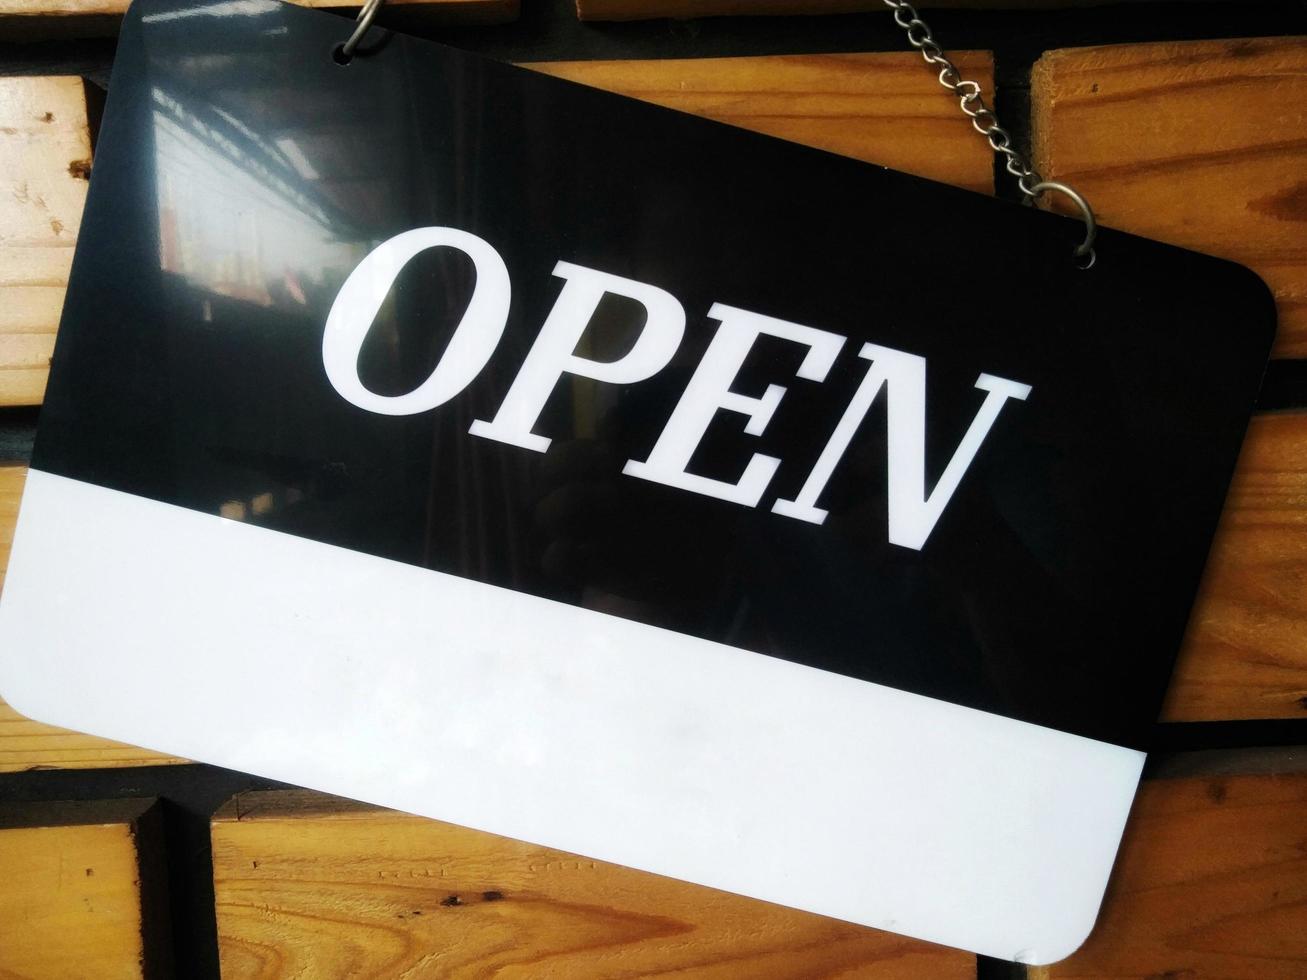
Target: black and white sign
467,441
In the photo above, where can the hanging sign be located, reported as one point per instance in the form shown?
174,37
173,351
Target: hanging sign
468,441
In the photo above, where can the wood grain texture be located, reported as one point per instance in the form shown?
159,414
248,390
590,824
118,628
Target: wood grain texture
1245,655
45,19
1201,143
882,108
27,744
1211,883
72,902
308,886
45,162
647,9
12,478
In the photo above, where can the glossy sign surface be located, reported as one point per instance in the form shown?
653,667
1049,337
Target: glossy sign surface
243,177
1054,588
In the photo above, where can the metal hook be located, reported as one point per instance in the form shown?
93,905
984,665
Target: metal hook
1085,250
364,21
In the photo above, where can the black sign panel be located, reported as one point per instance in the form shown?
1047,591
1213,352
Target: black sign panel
456,314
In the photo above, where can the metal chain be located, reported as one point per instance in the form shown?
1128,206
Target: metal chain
985,121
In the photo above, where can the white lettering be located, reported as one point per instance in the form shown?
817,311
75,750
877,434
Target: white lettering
912,514
551,356
709,390
359,299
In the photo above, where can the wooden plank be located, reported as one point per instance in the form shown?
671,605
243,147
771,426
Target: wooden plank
1245,656
648,9
26,745
1200,143
308,885
45,160
39,19
82,890
1211,881
882,108
12,478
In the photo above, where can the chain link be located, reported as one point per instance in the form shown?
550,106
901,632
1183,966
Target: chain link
985,121
970,99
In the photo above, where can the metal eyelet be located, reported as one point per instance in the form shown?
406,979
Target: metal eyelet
345,52
1085,250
